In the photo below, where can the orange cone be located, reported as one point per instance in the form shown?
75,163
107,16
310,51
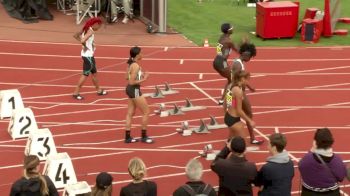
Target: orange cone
206,43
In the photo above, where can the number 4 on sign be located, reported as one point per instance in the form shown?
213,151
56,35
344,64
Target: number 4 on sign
41,144
9,100
22,123
60,169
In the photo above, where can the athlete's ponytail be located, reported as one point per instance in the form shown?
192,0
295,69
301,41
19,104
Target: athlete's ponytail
30,171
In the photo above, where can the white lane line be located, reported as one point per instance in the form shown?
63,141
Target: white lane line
323,69
172,59
329,85
202,91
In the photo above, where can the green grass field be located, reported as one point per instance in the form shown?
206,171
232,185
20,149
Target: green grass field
198,21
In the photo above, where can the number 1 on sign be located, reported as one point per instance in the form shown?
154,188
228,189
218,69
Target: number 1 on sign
12,100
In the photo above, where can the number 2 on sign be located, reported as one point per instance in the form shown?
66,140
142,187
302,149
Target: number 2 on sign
64,174
29,122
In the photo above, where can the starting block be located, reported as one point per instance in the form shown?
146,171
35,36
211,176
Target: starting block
215,125
158,93
40,143
185,130
59,169
161,110
208,152
164,113
9,101
79,188
176,110
168,90
189,106
22,123
203,128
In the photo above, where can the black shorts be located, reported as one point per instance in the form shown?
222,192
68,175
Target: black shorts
220,63
231,120
89,65
133,91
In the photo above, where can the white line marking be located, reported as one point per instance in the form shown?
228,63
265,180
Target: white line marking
116,141
265,92
274,111
181,61
277,130
75,158
200,76
179,47
337,104
79,112
191,144
169,59
202,91
297,73
330,85
324,69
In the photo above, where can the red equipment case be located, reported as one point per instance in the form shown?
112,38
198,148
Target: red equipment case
277,19
311,30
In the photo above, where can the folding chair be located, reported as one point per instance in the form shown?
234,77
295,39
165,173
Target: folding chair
87,7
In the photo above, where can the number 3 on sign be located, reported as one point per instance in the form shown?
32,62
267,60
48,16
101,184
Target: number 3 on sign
41,144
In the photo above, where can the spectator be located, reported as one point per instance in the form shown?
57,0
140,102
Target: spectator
127,10
235,173
194,171
33,183
103,186
138,186
277,174
321,169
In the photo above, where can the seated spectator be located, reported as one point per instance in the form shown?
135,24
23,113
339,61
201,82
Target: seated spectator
194,171
321,169
127,4
138,186
236,174
103,186
276,175
32,182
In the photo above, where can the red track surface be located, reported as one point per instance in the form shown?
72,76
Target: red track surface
298,90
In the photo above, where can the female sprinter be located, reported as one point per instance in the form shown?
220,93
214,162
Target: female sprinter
136,100
233,105
223,50
86,38
246,51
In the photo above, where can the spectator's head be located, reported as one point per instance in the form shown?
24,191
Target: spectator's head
226,28
277,143
103,185
194,170
237,145
94,23
247,51
323,138
137,169
135,54
241,78
31,165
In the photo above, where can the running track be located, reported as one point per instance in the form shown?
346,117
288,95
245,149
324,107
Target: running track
298,90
